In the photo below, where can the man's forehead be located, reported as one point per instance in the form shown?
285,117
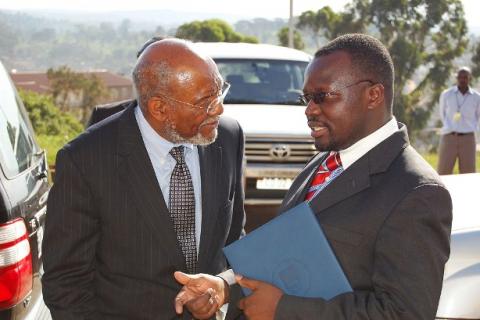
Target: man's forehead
192,68
463,73
199,83
330,68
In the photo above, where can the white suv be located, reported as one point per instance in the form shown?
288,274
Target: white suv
266,81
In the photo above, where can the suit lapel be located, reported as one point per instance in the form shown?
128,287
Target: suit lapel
138,174
351,181
304,181
210,171
357,177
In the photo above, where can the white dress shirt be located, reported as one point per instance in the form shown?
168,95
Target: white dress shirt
452,101
163,163
361,147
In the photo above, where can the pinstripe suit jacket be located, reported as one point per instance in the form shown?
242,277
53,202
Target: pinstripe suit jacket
109,248
388,220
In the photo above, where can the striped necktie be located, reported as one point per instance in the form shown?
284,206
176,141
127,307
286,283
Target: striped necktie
328,170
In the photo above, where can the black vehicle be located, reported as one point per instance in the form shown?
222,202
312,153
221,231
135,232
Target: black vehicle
23,198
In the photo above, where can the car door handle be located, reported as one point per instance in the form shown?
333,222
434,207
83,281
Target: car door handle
34,224
42,175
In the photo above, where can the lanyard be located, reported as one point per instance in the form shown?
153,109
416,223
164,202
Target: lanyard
459,106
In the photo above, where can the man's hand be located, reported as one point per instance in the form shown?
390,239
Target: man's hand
202,294
262,303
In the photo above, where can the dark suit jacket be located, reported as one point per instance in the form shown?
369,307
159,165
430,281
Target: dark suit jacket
388,219
109,248
106,110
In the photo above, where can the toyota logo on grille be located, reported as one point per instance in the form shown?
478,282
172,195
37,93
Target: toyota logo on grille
280,151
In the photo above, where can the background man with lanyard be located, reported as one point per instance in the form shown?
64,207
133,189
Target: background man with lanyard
460,114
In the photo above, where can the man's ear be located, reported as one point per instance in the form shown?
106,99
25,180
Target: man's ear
157,109
376,96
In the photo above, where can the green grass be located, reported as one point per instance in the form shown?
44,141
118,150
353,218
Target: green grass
432,158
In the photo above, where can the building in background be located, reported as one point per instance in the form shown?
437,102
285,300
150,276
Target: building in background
119,87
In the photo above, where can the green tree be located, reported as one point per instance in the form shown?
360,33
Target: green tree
64,82
52,126
423,37
93,91
68,86
124,27
297,38
326,23
476,60
263,29
46,118
44,35
213,30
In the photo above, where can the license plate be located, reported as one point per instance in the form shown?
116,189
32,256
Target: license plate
274,183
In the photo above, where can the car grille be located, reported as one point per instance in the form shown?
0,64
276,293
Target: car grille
279,150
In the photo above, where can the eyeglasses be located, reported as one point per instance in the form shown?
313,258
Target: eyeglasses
319,97
208,106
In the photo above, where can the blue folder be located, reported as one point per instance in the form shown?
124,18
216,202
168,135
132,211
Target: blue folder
292,253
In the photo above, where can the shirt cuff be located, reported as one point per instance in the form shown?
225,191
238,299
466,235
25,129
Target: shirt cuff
222,312
228,276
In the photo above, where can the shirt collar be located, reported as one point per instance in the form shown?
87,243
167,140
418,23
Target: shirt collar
160,145
469,91
358,149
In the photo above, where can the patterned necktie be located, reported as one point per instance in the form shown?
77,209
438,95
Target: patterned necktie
328,170
182,208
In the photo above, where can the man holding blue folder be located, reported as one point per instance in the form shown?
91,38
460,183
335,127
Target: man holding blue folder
383,209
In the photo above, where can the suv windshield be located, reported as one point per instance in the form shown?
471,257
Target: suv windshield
17,145
262,81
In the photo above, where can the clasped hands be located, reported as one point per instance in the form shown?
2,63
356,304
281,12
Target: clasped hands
204,294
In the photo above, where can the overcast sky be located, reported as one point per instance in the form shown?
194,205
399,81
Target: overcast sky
253,8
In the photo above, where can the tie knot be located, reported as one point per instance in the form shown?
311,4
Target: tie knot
333,161
177,154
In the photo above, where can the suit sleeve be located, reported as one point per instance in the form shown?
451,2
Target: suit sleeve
411,250
238,219
71,235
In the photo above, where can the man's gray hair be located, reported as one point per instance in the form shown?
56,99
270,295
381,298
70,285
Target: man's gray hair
150,78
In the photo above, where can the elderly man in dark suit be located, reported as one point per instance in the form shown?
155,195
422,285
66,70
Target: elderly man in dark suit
383,209
151,190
